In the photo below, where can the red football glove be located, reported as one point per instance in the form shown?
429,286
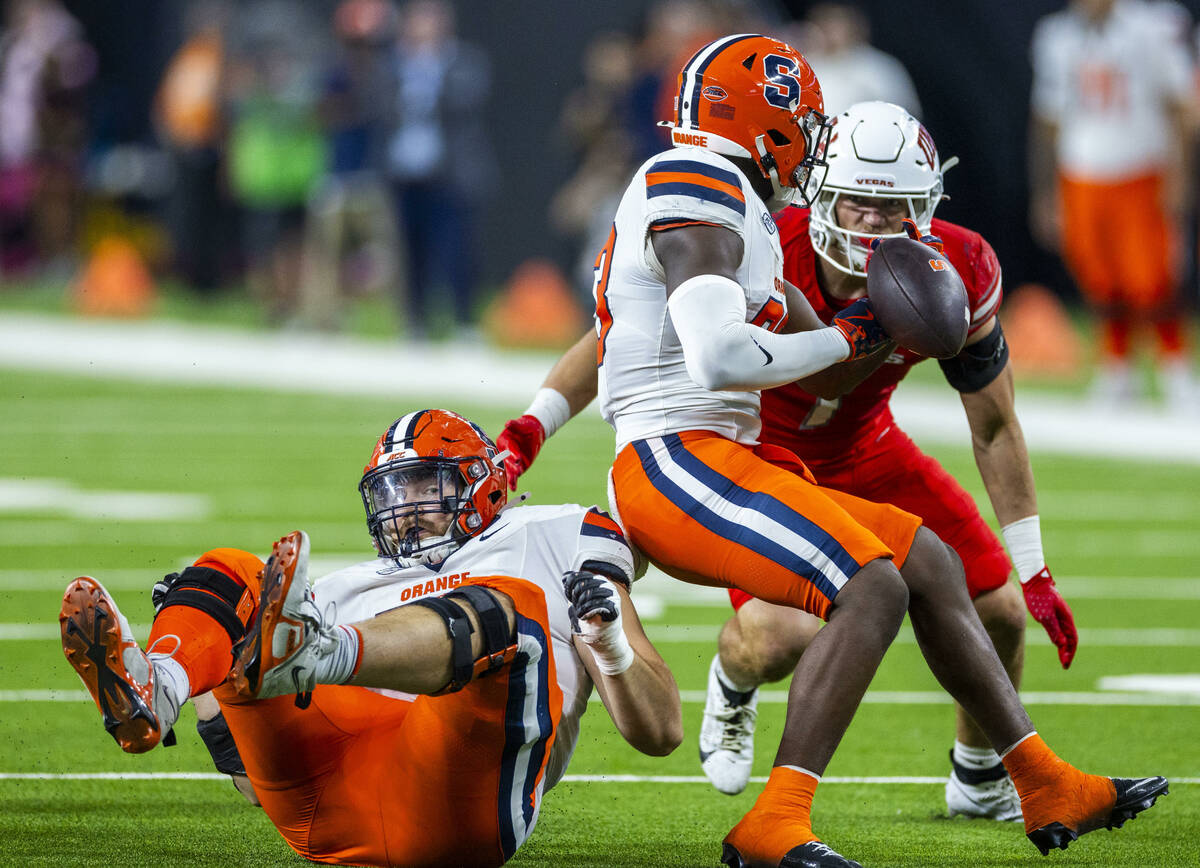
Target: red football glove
523,437
859,327
1050,610
910,226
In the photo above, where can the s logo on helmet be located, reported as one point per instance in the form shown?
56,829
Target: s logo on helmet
937,265
784,89
712,93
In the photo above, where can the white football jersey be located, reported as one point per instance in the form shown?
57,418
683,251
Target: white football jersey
1107,88
535,543
645,389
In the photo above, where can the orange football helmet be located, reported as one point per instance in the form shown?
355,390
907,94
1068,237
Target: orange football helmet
753,96
432,483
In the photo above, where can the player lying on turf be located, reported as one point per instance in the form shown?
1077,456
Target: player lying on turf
693,319
499,623
883,168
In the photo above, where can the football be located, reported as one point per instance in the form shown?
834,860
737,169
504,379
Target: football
918,298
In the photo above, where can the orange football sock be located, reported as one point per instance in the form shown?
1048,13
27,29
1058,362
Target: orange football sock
204,648
1054,791
780,818
1170,338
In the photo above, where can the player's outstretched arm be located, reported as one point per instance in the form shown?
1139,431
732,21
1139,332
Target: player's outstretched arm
634,682
708,310
568,388
984,378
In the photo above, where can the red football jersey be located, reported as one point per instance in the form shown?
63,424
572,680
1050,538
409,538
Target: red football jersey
820,430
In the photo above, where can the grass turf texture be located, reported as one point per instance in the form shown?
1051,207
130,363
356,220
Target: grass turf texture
269,463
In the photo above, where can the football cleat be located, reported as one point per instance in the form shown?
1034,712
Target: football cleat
813,854
988,794
137,708
727,734
1133,795
289,635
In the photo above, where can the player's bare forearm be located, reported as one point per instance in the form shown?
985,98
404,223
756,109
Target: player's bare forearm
574,374
1000,451
643,701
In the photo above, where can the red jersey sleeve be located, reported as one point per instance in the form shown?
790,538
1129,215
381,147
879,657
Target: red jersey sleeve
978,266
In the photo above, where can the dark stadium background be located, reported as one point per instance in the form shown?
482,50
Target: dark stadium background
969,61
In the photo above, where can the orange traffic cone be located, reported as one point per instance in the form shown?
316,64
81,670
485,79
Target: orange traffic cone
1042,340
114,282
535,310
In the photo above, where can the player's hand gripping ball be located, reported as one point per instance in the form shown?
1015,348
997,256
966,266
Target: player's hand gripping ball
918,297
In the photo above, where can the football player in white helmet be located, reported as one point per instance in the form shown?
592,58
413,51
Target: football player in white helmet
880,157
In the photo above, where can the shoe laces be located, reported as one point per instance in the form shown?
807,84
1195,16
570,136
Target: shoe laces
737,726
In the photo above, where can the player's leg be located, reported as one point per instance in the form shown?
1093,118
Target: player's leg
760,643
1058,801
710,511
893,469
201,613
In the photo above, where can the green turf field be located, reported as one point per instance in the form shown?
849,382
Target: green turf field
80,459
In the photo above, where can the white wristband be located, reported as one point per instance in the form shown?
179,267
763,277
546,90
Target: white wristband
550,407
611,649
1024,541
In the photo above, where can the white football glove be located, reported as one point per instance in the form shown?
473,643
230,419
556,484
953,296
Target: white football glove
595,612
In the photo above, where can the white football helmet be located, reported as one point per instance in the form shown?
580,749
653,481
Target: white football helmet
877,150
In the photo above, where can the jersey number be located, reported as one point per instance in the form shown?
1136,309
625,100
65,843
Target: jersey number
821,413
600,290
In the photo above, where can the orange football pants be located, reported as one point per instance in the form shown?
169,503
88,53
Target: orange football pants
360,778
711,511
1118,242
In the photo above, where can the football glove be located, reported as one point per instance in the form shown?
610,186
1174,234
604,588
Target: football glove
860,328
595,612
158,594
523,438
1050,610
910,226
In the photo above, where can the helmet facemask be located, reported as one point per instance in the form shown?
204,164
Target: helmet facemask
775,151
878,151
420,510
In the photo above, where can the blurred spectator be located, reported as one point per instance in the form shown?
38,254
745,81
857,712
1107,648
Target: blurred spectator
834,38
276,146
351,242
188,115
45,65
594,125
439,157
1112,117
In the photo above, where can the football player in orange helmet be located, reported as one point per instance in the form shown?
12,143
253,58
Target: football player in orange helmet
432,483
509,629
756,100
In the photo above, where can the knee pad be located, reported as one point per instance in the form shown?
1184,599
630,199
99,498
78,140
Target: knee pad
227,601
499,643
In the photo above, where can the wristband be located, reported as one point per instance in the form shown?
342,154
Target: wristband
550,407
1024,541
611,648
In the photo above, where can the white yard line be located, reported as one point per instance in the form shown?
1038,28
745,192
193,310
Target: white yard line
569,779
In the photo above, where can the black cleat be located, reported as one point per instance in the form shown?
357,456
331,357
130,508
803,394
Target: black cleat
814,854
1134,795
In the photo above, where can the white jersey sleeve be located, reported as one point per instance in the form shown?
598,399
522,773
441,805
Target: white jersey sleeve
691,187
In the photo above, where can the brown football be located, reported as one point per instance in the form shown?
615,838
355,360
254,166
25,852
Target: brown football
918,298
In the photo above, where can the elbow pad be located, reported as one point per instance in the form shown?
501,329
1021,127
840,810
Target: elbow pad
979,364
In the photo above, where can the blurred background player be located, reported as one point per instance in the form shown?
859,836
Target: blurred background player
494,643
883,168
837,42
1113,113
693,319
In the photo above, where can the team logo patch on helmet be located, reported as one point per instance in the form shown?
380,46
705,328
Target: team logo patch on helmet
712,93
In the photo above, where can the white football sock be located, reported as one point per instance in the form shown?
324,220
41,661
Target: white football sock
979,758
336,664
735,686
174,681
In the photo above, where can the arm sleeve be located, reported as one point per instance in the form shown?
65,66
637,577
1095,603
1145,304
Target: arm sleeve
723,351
